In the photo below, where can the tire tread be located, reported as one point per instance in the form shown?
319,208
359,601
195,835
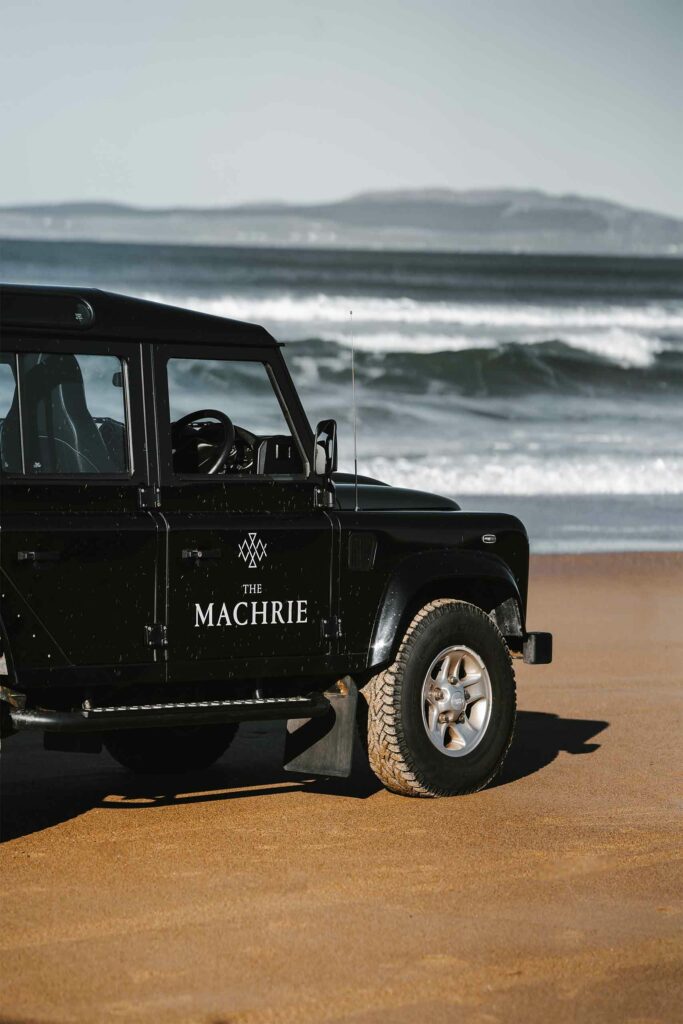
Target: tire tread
387,749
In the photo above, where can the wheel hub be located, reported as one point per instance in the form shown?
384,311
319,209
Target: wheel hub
450,699
456,701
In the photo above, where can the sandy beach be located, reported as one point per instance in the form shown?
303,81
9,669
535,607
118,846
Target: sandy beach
249,896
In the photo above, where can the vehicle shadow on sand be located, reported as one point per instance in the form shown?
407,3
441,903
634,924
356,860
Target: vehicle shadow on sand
40,789
540,737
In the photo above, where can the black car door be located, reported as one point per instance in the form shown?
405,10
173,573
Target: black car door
249,555
79,554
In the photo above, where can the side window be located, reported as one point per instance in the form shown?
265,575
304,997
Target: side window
216,401
11,459
66,416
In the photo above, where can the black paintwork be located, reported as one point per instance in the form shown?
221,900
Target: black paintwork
89,563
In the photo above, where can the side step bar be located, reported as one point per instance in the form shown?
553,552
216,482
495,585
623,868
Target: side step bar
155,716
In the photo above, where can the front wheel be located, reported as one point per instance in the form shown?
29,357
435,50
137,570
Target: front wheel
171,749
441,718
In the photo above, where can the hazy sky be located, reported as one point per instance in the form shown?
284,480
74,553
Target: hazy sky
212,101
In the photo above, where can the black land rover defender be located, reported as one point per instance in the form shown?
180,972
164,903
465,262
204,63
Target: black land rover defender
178,556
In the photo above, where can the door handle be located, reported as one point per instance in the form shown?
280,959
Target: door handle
198,555
38,556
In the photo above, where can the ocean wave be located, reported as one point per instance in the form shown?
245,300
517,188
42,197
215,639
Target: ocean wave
627,348
521,475
324,308
493,369
630,336
619,366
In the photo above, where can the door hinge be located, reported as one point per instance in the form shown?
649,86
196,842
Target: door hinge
156,635
322,498
332,628
149,496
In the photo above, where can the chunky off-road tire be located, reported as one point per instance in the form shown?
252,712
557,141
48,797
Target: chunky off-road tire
401,752
170,750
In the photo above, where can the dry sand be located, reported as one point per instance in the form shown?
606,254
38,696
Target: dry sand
249,896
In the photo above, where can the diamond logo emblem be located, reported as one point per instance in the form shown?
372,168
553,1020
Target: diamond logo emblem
252,550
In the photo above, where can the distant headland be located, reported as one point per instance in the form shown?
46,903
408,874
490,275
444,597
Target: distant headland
493,220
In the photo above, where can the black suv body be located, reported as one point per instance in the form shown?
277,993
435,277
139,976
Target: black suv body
177,556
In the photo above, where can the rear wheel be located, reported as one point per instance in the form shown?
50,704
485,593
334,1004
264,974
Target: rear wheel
170,750
441,718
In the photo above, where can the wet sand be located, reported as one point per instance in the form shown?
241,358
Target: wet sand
248,896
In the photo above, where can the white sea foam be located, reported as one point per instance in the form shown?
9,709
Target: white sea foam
331,309
626,348
520,475
420,343
619,333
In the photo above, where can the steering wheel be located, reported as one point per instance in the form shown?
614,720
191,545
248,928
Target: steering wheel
194,437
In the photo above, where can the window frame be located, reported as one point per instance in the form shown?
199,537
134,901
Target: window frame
271,360
130,357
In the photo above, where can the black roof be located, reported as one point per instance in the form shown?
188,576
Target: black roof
89,312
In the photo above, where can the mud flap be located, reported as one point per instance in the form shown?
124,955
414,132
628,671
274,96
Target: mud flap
324,745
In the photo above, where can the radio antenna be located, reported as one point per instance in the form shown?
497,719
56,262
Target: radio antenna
355,413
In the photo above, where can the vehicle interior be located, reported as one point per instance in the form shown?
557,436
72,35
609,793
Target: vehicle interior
207,441
55,427
241,428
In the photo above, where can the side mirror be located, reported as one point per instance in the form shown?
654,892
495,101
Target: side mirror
325,448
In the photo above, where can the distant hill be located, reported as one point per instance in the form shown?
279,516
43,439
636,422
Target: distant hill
502,220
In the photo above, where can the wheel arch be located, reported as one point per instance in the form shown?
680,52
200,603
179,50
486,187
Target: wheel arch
482,580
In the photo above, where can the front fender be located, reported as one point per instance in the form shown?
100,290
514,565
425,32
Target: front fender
483,579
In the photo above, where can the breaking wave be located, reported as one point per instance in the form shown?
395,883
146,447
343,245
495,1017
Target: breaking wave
335,309
519,475
627,336
489,368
